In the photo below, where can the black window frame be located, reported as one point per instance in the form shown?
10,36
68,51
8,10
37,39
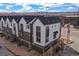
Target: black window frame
2,24
38,34
21,27
47,34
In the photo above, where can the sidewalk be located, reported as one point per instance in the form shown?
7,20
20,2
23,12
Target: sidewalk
14,49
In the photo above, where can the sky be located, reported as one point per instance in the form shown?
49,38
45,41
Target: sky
39,7
39,1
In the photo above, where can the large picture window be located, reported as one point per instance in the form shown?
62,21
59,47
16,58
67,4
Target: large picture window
38,34
47,34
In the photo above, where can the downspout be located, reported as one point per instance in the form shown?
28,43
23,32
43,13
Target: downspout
31,34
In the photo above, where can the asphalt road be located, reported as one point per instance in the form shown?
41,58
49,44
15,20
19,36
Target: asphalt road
5,52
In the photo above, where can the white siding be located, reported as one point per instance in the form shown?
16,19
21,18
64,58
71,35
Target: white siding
9,23
3,22
38,23
16,26
22,21
53,28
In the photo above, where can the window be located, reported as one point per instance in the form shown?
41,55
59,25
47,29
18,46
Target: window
27,26
47,34
52,26
21,27
11,24
55,34
2,24
14,28
7,25
38,34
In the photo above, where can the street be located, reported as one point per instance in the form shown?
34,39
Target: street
5,52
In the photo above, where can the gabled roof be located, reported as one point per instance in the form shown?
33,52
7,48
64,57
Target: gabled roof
28,18
44,19
10,18
17,18
4,17
49,20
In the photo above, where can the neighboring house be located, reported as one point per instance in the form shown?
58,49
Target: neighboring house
8,22
25,30
15,25
8,27
3,23
35,32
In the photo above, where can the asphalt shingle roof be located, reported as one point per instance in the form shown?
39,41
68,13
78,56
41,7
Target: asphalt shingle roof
49,20
44,19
